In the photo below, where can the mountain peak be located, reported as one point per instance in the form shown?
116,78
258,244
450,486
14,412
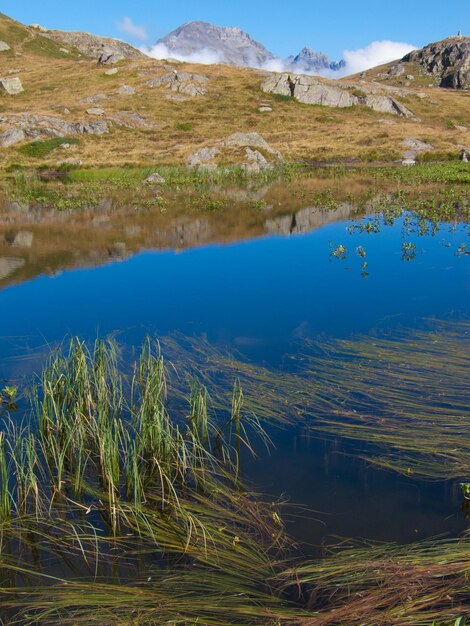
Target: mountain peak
230,44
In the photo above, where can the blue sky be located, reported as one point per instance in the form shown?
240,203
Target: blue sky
284,28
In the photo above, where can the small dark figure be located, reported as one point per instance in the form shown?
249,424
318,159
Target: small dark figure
175,74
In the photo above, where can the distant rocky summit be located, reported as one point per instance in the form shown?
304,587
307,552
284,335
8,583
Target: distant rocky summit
94,46
230,45
447,60
310,61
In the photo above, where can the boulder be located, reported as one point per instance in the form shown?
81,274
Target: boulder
4,46
98,127
264,109
155,178
95,111
126,90
112,71
11,137
11,86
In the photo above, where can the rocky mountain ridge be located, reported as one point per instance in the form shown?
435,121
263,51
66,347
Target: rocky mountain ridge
448,60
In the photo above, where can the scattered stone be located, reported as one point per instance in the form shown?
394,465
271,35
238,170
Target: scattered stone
126,90
421,95
66,111
112,71
14,71
95,111
416,144
265,109
21,239
99,97
64,50
11,86
11,137
65,146
155,178
462,129
410,77
4,46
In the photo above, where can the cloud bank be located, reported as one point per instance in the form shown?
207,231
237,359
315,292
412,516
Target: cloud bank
127,26
360,60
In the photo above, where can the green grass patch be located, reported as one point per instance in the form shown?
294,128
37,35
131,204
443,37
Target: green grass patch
41,149
185,126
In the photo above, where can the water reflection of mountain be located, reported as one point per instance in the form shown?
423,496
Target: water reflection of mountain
35,240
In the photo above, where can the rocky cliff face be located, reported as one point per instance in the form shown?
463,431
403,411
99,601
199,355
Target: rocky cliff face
448,60
229,45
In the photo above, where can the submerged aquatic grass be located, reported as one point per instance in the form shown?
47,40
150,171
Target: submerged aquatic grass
123,502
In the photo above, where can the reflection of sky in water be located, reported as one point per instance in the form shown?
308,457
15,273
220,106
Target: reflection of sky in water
257,297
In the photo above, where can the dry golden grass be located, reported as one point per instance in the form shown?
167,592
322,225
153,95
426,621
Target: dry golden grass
54,81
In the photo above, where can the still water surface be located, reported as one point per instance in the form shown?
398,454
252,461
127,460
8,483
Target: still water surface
258,296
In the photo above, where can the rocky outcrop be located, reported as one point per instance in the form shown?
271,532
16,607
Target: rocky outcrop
247,150
310,90
12,86
93,46
307,219
229,45
447,60
4,46
36,126
181,82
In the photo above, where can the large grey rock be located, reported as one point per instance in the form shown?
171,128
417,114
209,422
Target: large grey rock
181,82
11,137
4,46
310,90
447,60
155,178
11,86
396,70
251,140
97,127
228,45
95,111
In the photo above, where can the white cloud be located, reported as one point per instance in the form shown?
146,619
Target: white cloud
376,53
205,56
127,26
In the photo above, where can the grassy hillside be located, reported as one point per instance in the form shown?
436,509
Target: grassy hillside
55,80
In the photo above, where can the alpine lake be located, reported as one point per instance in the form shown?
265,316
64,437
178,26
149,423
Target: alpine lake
235,400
